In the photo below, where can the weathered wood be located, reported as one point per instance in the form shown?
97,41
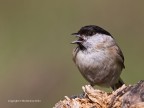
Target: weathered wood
124,97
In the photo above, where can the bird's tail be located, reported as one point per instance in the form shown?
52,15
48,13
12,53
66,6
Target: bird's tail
118,84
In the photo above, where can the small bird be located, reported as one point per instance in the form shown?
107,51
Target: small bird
98,57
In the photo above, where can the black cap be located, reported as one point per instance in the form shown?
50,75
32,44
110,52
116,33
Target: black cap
91,30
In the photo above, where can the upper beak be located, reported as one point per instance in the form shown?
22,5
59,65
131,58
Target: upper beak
75,34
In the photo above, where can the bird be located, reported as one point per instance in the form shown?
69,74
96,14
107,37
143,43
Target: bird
98,57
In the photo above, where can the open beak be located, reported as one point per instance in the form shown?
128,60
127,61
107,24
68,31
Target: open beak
80,40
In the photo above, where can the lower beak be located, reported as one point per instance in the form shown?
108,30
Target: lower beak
75,42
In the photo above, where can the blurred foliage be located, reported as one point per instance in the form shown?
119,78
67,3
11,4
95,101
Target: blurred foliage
35,54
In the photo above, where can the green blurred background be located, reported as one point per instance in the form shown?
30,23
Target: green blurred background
35,50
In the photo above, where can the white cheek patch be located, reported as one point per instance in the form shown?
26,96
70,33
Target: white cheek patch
100,38
97,39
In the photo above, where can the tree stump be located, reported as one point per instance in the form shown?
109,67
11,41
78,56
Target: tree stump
124,97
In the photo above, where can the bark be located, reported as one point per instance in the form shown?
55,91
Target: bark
124,97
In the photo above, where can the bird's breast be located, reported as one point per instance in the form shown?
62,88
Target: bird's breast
86,60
